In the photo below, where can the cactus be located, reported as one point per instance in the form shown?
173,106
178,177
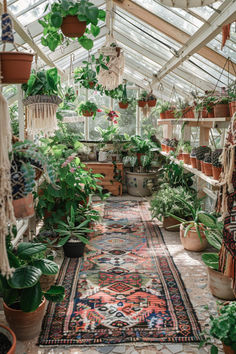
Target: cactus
207,158
215,159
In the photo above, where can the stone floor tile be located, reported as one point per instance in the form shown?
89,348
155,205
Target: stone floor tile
119,349
105,349
165,351
175,348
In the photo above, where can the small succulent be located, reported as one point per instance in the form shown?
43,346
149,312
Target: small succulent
193,152
201,151
215,159
207,158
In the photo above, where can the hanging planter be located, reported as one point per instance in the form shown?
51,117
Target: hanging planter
123,105
87,114
88,109
71,26
142,103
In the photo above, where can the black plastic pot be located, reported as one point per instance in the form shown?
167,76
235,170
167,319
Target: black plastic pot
74,249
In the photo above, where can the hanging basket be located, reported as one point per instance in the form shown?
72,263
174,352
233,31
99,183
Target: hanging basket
88,113
71,27
41,113
15,67
123,105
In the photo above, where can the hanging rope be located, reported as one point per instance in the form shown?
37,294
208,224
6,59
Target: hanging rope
7,26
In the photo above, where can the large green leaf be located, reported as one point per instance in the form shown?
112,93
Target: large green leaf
55,293
24,277
207,219
31,298
56,19
87,43
26,250
46,266
211,260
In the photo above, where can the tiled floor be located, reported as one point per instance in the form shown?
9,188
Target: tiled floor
194,275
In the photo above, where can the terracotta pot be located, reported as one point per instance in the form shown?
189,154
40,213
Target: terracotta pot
163,115
123,105
24,207
232,108
193,161
192,242
202,166
91,84
221,110
210,114
208,169
26,325
87,114
7,332
15,67
139,155
186,158
180,156
167,148
46,281
198,164
169,114
142,103
188,112
204,113
137,183
151,103
163,147
170,221
220,285
171,148
72,27
216,171
228,349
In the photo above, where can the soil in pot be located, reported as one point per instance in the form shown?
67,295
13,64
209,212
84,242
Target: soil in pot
192,241
221,110
72,27
5,344
137,183
7,340
186,158
193,161
26,325
216,171
74,249
24,207
123,105
15,67
220,285
142,103
170,221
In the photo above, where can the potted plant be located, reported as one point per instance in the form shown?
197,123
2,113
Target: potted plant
69,19
164,108
184,109
73,234
221,107
208,164
200,153
88,109
192,230
193,158
186,147
123,98
216,163
232,100
173,143
219,284
163,144
223,328
142,100
164,202
140,146
7,340
24,300
151,100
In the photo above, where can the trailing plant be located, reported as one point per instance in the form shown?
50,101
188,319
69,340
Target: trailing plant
85,12
23,288
88,106
43,82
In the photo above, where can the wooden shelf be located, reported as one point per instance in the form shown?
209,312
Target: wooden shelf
197,122
196,172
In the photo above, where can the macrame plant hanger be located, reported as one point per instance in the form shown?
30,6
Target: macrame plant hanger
7,217
113,77
41,113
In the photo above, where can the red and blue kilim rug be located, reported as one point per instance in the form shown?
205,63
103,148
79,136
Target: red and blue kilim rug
126,289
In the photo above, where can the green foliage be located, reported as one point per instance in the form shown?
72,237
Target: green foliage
108,134
211,260
52,21
174,175
13,110
44,82
88,106
166,202
24,287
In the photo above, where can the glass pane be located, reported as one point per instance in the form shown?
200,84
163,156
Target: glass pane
100,119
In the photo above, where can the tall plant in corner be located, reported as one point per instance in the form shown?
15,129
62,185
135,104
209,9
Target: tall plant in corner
71,19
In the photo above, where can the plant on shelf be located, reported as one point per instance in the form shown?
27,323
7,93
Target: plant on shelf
165,202
22,293
221,106
174,175
187,148
165,107
88,109
201,151
184,109
208,164
216,163
69,19
223,328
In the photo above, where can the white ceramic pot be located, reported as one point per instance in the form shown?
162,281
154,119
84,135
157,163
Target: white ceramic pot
137,183
103,156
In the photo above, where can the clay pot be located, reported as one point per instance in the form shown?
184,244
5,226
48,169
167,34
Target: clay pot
202,166
24,207
139,155
204,113
142,103
210,114
167,148
171,148
232,108
188,112
216,171
170,221
7,332
46,281
198,164
220,285
169,114
208,169
192,242
26,325
186,158
123,105
180,156
15,67
228,349
87,114
151,103
163,115
193,161
221,110
163,147
137,183
72,27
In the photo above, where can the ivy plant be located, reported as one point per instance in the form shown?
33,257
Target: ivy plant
52,21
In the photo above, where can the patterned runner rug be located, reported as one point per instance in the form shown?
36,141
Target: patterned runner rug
126,289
